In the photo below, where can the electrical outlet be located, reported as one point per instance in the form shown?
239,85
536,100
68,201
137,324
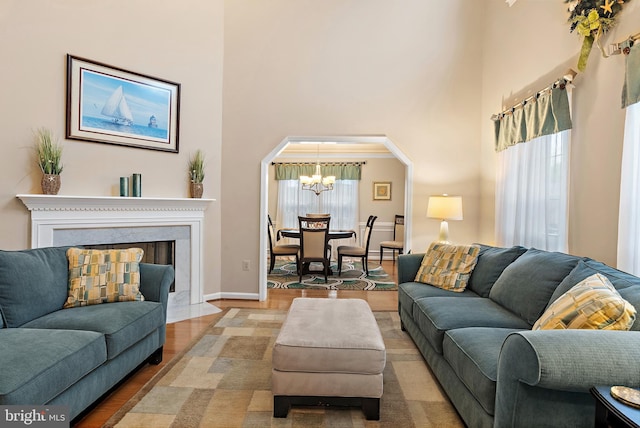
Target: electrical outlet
245,265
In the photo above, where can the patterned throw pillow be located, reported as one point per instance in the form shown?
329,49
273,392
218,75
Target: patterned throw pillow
448,266
593,303
103,276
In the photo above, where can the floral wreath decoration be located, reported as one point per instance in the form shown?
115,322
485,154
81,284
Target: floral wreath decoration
591,19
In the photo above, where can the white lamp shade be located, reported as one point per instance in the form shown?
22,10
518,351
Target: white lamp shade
444,207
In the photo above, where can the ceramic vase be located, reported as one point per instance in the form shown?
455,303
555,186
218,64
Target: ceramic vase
196,190
50,184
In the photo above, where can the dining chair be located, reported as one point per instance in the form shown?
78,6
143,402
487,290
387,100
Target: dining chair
280,250
314,240
361,252
318,215
398,239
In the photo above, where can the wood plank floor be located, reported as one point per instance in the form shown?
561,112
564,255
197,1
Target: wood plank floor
180,334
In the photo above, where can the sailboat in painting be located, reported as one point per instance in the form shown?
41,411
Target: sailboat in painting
117,109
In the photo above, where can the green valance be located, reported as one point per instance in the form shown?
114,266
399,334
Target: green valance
342,171
545,114
631,88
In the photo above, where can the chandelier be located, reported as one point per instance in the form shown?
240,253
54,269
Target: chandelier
317,183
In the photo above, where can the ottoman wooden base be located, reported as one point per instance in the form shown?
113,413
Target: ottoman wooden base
370,406
328,352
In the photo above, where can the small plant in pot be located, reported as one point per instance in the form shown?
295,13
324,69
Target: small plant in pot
49,154
196,173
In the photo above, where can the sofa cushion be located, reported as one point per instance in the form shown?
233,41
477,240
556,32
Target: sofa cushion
473,355
592,304
123,324
436,315
33,283
39,364
103,276
408,292
491,262
526,285
448,266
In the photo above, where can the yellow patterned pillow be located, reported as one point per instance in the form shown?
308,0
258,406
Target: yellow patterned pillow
103,276
593,303
448,266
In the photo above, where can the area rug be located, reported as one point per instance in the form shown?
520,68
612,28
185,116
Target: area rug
284,275
223,379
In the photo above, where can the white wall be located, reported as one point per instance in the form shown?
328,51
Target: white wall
528,46
428,75
360,67
177,41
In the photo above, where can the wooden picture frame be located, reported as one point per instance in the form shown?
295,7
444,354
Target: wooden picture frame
381,190
106,104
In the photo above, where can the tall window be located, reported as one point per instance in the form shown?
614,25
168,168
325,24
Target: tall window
532,182
531,195
629,217
341,203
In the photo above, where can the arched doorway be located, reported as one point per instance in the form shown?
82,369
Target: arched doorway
264,190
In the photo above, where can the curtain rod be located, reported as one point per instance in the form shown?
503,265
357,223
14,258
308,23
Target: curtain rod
560,83
616,48
321,163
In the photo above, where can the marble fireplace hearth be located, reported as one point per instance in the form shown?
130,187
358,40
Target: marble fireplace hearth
86,220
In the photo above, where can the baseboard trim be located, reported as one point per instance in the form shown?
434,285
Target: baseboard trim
234,296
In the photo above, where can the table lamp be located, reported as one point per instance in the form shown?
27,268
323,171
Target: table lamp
444,207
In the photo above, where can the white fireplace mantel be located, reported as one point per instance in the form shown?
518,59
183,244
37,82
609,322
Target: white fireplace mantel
57,219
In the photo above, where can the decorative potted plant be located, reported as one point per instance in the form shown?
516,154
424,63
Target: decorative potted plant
49,160
196,173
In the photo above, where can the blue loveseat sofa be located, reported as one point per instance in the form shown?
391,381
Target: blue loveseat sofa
71,357
494,368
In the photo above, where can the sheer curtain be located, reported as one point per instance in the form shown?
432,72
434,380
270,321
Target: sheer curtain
532,178
532,192
629,216
341,203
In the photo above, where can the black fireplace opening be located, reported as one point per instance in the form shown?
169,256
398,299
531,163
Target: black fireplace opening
155,252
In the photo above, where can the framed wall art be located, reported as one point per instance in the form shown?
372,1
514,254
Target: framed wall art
106,104
381,190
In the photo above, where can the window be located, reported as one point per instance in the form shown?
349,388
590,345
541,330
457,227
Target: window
629,217
532,178
532,192
341,202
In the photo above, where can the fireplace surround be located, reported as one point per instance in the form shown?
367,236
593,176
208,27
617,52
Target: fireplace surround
58,220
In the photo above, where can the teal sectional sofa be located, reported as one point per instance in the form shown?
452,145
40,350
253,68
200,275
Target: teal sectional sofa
71,357
496,371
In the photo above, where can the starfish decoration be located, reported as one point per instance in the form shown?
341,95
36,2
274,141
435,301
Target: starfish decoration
607,6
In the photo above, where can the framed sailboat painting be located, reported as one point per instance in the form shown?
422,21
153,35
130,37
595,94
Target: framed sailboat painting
106,104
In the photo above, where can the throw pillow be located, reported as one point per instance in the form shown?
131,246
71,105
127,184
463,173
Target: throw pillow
448,266
592,304
103,276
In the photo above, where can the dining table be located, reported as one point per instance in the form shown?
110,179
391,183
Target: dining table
333,234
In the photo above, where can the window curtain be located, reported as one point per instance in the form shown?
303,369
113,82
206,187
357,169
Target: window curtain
532,182
629,214
342,171
342,203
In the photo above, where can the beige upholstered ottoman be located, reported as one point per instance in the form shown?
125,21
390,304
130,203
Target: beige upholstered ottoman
328,352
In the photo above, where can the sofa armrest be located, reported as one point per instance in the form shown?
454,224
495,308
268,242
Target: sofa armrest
544,376
571,360
155,281
408,266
